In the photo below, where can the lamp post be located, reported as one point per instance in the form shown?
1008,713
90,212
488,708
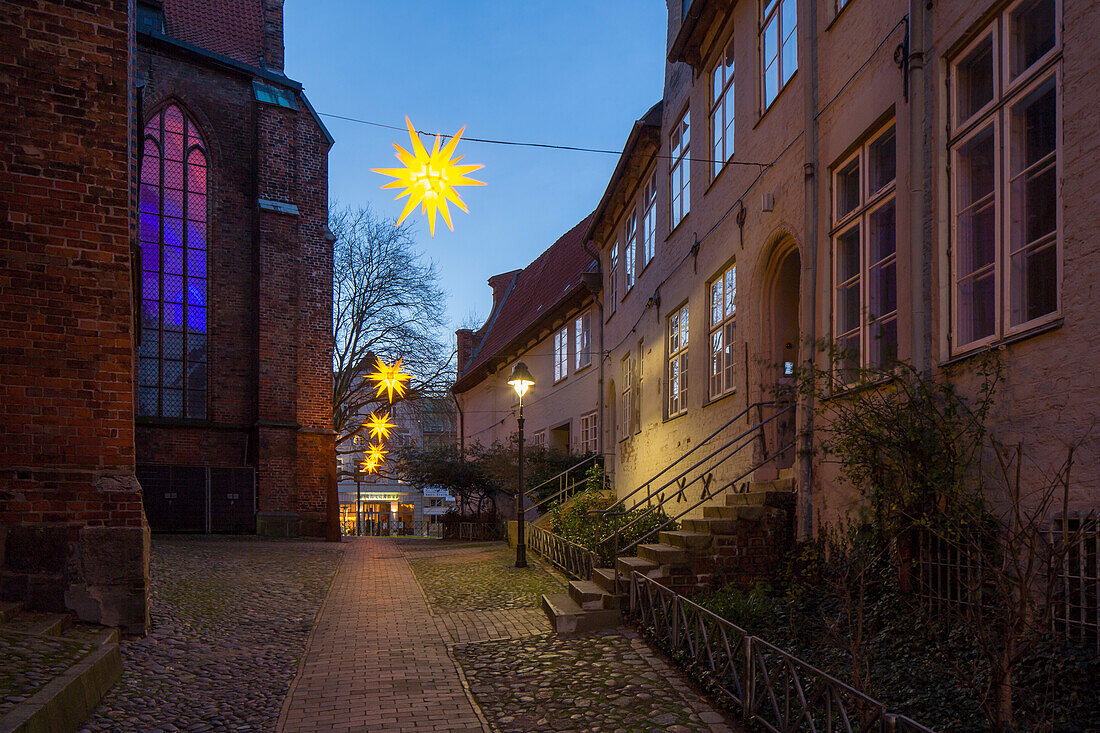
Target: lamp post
521,381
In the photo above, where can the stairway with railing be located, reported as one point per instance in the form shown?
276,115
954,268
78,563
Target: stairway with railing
562,487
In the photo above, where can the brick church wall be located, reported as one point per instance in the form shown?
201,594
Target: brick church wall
73,533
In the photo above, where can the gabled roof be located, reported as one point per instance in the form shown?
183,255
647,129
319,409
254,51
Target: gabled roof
644,140
534,295
233,28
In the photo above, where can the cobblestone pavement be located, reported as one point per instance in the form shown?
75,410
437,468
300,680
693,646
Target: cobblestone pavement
231,617
483,580
31,661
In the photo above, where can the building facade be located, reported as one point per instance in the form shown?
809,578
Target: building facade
546,315
897,180
234,416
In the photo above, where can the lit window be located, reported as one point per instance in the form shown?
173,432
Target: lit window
865,304
723,332
582,330
679,175
613,278
589,433
561,354
172,229
721,111
677,361
649,220
539,439
779,44
630,249
1006,254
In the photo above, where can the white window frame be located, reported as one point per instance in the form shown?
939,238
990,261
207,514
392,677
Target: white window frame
771,11
627,367
1008,92
582,334
561,354
589,433
860,216
613,277
722,128
538,438
723,333
679,171
630,250
677,334
649,220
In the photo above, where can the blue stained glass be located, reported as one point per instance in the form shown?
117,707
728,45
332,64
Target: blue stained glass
196,319
150,257
173,203
150,312
196,235
173,260
150,342
196,348
150,199
196,263
172,403
147,372
173,318
173,373
147,401
150,285
196,206
196,376
173,289
173,345
149,227
173,232
196,291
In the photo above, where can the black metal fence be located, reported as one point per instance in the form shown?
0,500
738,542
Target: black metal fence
200,499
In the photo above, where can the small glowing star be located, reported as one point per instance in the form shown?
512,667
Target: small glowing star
389,379
379,427
377,454
429,179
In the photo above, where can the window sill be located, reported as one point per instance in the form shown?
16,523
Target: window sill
581,368
719,398
556,382
714,179
676,228
775,101
837,14
678,415
1005,342
172,422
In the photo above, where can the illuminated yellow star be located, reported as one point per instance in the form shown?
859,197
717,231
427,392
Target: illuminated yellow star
377,454
429,179
368,465
389,379
379,427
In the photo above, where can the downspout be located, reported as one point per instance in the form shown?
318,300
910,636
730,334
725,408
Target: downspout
810,168
461,425
599,327
919,185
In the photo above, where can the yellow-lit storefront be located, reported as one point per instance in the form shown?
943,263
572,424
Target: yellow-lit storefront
380,514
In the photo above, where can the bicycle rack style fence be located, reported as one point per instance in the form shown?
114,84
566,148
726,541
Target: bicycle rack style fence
773,689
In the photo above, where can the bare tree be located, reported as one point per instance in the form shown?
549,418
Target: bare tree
387,304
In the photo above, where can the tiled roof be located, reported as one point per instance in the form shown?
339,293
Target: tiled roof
233,28
534,293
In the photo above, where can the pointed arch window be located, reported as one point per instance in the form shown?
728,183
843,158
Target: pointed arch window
172,229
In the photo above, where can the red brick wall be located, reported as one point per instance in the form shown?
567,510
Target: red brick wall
66,358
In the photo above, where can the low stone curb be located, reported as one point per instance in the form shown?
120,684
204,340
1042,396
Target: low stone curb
65,702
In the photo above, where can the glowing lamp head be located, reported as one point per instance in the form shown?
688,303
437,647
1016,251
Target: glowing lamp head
521,379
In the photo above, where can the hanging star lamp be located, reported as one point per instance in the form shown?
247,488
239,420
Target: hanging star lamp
379,426
377,453
429,179
369,466
389,379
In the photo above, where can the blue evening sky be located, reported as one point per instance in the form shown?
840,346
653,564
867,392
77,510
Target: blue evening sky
554,71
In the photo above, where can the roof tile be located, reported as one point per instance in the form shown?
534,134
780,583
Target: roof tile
233,28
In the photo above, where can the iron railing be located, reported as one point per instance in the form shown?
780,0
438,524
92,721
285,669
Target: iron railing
569,557
474,531
567,483
773,689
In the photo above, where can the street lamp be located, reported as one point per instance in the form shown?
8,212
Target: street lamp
521,381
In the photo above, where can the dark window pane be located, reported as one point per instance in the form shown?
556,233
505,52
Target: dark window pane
975,78
196,347
883,289
172,403
196,375
977,308
847,189
150,342
150,313
847,308
173,317
150,199
147,372
172,373
173,345
147,401
882,161
196,235
883,234
1034,283
1032,33
173,261
196,404
884,342
149,227
847,255
173,232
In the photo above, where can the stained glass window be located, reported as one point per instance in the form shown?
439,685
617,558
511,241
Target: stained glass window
172,230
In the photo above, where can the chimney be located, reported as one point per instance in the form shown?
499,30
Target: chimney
273,34
465,338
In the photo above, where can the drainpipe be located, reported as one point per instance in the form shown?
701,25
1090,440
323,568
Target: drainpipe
599,327
810,168
461,425
919,184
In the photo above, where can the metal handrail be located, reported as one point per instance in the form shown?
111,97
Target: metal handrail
699,445
773,688
563,481
572,559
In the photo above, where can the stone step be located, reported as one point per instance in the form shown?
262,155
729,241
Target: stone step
590,596
735,513
39,624
628,565
8,609
711,525
779,485
90,634
568,618
785,473
760,498
664,554
605,578
686,540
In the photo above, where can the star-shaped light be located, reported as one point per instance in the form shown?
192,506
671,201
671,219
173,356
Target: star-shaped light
379,426
389,379
377,453
369,466
429,179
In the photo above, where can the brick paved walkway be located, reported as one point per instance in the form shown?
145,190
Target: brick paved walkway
382,656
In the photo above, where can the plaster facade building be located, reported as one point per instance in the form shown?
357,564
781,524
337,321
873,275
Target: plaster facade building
547,316
165,274
902,181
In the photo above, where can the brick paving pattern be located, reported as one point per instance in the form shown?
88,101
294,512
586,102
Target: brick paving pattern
231,617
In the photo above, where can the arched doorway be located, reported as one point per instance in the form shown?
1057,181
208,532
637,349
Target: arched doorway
781,345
